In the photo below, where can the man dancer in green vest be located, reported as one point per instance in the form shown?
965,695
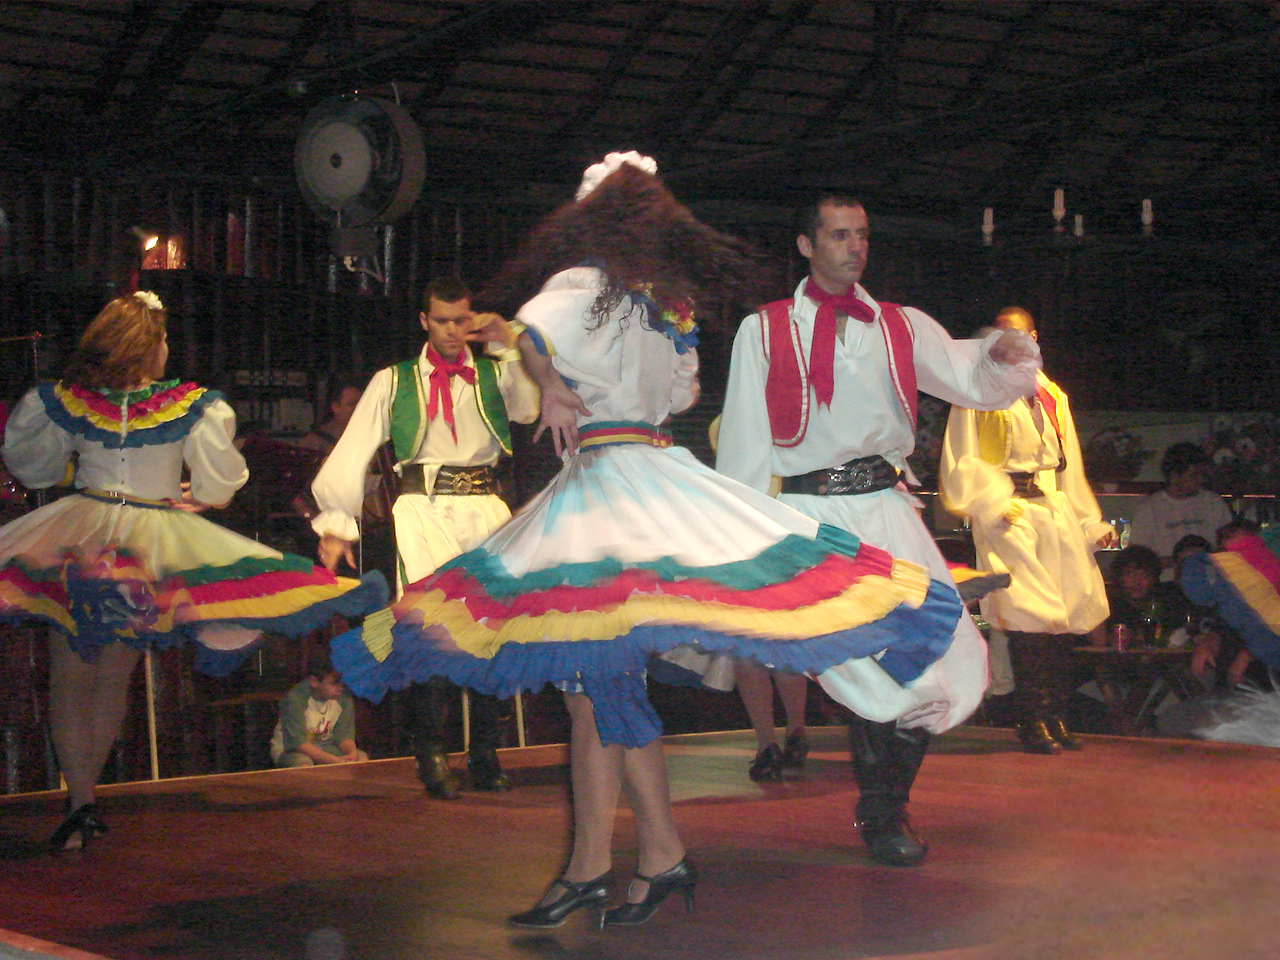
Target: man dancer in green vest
447,413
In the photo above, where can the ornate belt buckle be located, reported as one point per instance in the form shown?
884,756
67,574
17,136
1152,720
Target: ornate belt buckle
462,483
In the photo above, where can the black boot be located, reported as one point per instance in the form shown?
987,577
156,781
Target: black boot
487,716
1037,738
436,777
1058,730
885,763
486,772
1060,691
427,701
1036,660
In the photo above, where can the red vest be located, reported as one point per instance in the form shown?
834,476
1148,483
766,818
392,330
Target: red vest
787,392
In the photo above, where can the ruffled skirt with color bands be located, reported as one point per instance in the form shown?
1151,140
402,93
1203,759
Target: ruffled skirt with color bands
634,551
102,572
1243,583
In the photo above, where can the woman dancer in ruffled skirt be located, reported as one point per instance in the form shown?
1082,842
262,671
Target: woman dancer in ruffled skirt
125,561
636,549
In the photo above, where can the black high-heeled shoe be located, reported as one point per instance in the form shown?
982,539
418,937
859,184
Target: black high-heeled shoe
683,876
84,821
577,895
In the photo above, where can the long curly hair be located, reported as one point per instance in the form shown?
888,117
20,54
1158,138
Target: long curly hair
117,351
642,239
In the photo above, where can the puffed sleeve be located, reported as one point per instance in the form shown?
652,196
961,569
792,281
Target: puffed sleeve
970,486
560,316
36,450
684,383
520,394
217,468
745,448
1072,482
963,372
339,486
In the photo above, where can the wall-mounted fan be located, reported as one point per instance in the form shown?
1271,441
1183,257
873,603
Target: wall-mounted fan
360,164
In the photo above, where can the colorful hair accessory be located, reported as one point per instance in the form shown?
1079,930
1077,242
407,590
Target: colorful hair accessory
149,299
595,174
675,322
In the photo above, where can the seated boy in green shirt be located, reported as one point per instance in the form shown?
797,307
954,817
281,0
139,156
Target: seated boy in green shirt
317,721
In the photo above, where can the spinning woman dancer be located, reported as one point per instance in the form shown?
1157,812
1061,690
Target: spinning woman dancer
635,548
125,561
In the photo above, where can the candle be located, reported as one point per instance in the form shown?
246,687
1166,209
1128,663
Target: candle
1148,217
1059,204
1079,231
988,225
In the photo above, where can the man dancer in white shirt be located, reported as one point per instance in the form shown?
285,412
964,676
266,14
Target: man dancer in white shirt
822,393
1018,476
447,414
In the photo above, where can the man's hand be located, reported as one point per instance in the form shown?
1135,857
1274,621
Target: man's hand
1014,346
1108,540
1013,512
491,328
333,549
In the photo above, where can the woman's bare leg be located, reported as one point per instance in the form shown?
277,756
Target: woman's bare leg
755,686
595,772
649,794
87,704
793,689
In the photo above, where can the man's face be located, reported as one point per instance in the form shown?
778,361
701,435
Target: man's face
345,405
447,326
1137,582
1018,320
1189,481
837,254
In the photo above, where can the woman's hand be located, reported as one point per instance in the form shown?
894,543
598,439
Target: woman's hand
560,410
189,504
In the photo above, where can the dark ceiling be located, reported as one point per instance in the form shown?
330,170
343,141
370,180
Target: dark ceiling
932,110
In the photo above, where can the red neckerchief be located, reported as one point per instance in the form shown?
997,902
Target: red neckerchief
441,393
822,355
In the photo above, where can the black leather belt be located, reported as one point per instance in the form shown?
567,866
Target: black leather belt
451,481
863,475
1024,485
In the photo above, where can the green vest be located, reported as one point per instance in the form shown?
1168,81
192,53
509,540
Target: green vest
409,404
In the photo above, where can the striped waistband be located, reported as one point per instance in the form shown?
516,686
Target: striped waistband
605,432
118,496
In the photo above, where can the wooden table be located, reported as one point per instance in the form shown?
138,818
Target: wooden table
1127,680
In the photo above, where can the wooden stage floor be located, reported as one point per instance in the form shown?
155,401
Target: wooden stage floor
1130,850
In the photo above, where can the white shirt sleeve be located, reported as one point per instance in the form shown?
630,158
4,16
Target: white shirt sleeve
1072,482
519,392
745,448
962,371
217,468
339,486
36,450
684,386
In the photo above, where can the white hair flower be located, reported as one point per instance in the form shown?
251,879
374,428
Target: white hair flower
149,299
594,175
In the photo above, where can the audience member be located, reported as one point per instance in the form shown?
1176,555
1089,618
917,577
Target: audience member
317,721
1152,612
1183,507
343,397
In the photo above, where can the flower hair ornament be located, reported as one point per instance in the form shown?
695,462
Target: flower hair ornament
149,299
595,174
